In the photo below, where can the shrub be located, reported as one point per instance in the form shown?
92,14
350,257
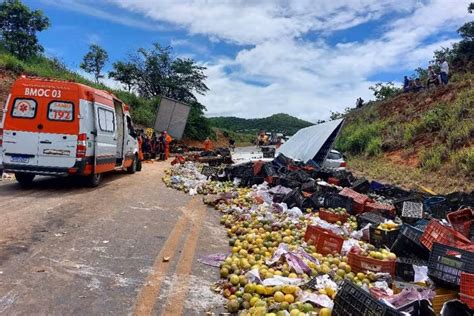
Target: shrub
374,147
12,63
432,159
356,138
464,160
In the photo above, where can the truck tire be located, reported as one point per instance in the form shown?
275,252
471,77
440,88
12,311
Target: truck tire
94,180
134,167
24,179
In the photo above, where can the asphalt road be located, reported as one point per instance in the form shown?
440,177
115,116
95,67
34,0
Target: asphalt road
70,250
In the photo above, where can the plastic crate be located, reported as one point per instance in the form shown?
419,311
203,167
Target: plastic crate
325,241
437,232
352,300
446,264
412,211
334,200
382,238
459,219
360,263
416,308
362,185
437,206
369,218
466,293
359,200
408,244
331,217
386,209
405,268
442,296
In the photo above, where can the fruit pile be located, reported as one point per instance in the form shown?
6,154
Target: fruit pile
389,226
271,270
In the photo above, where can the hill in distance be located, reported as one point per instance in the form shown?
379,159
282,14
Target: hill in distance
277,123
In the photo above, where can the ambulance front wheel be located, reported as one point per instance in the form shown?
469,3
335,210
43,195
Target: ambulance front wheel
134,167
25,179
94,180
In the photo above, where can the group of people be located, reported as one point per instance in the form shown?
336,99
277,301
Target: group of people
154,146
434,78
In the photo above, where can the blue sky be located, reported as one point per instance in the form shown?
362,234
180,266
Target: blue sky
305,58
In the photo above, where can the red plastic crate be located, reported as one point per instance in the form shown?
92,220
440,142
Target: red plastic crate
437,232
460,220
334,181
331,217
382,208
363,264
359,200
325,241
466,293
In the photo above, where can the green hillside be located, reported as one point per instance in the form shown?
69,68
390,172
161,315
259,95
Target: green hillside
416,139
278,123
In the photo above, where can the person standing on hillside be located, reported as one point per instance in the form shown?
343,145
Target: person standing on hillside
444,71
432,78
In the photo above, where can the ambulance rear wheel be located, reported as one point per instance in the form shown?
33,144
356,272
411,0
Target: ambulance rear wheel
133,168
94,180
25,179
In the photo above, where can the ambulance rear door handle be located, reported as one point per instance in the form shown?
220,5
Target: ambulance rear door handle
45,142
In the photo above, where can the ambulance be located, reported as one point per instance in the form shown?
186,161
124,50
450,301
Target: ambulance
61,128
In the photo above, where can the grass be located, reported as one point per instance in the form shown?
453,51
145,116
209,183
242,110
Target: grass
380,169
241,139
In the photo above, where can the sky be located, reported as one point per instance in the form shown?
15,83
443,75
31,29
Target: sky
301,57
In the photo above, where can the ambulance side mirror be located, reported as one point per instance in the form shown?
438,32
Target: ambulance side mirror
94,133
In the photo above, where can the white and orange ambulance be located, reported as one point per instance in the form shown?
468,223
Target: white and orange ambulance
63,128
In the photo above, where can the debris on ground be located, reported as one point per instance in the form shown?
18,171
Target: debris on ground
309,241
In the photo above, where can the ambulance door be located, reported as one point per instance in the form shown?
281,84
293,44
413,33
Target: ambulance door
20,133
105,143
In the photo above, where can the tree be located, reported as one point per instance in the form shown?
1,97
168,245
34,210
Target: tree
18,28
94,61
125,73
421,73
384,91
470,9
159,73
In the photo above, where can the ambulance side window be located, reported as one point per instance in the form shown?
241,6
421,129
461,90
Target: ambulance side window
106,120
131,130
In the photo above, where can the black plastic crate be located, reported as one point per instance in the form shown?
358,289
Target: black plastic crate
408,244
405,268
332,200
352,300
369,218
437,206
294,198
417,308
362,185
446,264
382,238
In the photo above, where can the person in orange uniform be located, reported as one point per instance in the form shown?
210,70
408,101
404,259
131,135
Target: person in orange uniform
140,151
169,139
207,145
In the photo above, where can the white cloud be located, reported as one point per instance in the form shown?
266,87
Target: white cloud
298,76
